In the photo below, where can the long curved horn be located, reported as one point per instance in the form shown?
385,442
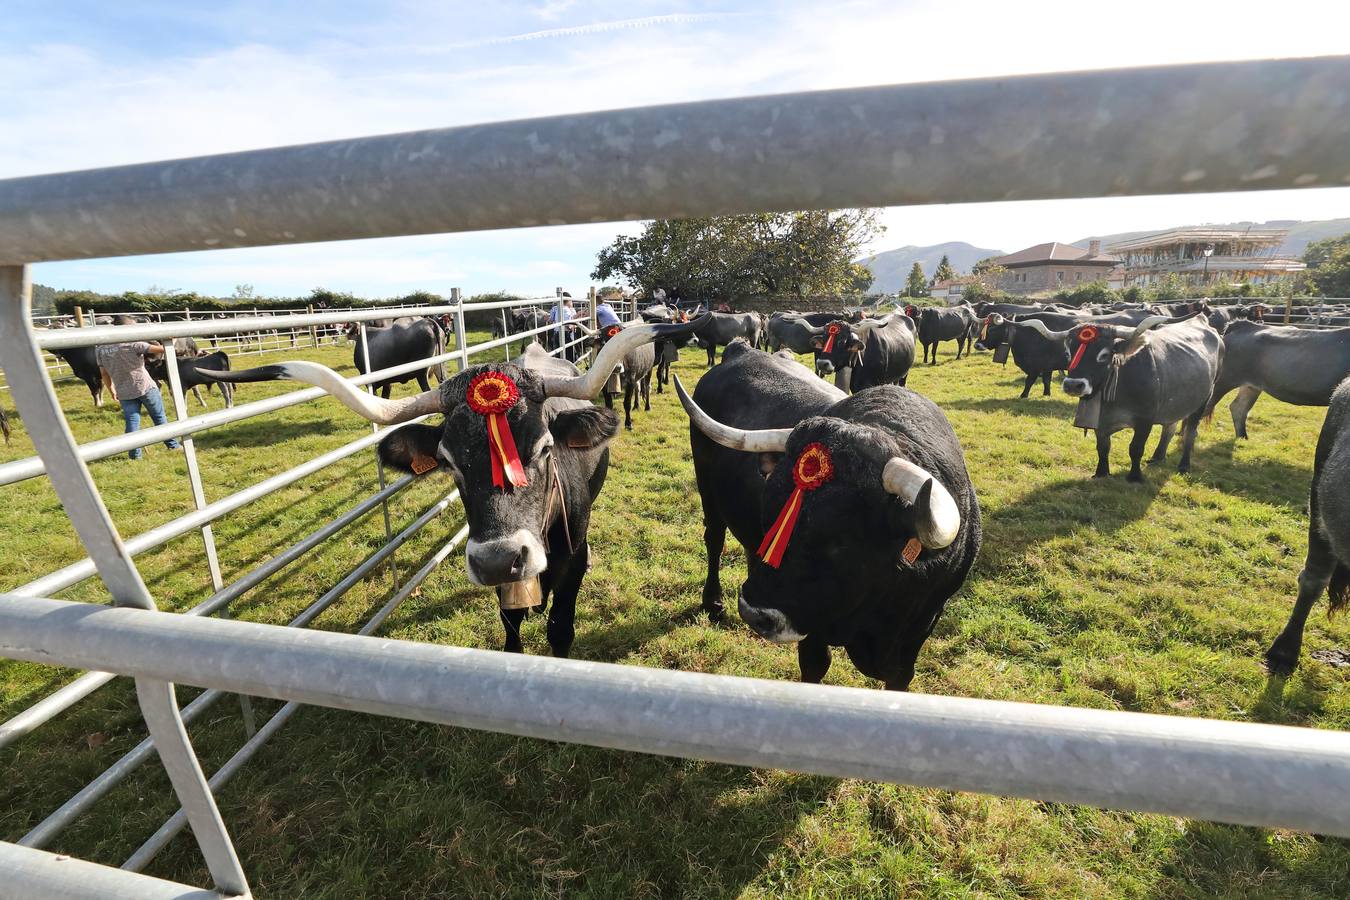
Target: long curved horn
766,440
376,409
1038,326
584,329
872,324
1150,323
588,384
937,518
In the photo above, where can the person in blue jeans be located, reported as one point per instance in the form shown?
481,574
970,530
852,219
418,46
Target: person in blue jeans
123,368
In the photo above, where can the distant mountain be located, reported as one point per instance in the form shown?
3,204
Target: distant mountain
891,268
1301,234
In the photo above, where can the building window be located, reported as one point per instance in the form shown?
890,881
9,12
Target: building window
1059,277
1077,276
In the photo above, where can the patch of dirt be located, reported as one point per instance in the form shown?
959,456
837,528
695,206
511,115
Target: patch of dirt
1336,656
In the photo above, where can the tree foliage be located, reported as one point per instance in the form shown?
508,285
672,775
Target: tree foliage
917,284
728,257
1329,266
944,272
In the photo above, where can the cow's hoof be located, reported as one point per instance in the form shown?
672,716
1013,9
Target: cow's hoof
1135,478
1281,665
1183,468
1155,460
1101,474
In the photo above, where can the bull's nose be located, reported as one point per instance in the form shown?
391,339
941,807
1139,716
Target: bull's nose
497,562
1077,387
769,624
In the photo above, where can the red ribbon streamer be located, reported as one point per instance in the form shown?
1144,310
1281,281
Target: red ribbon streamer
813,468
829,341
1085,337
490,395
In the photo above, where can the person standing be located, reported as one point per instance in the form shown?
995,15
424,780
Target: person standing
605,315
560,315
123,368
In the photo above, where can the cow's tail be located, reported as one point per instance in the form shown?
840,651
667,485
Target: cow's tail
1338,591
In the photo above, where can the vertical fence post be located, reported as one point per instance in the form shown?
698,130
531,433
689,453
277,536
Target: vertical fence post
595,327
79,316
461,342
313,332
379,463
506,330
199,501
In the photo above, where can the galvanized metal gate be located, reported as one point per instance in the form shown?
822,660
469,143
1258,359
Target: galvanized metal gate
1218,127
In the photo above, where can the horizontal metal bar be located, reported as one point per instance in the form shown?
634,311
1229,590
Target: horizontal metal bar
67,696
1161,130
148,540
38,875
43,833
31,467
61,338
166,832
1226,771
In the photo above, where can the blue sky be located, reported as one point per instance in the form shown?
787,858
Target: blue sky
90,84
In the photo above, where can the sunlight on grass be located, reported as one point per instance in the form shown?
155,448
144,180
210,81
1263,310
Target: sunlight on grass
1157,598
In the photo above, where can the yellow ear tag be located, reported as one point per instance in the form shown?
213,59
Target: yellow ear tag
912,550
422,463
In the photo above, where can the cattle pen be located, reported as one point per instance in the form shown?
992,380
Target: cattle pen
1234,772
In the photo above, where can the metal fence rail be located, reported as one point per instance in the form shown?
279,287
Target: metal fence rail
1234,126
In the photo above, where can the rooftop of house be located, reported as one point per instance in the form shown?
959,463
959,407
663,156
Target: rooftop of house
1270,237
1055,252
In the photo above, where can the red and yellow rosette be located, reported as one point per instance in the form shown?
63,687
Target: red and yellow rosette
813,468
832,331
611,331
1087,335
490,395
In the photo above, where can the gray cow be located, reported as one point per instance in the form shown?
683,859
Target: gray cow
1327,566
1140,377
1291,364
720,329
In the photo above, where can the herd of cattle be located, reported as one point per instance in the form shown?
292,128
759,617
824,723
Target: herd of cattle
852,499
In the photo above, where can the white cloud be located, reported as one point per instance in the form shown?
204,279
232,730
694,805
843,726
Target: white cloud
76,108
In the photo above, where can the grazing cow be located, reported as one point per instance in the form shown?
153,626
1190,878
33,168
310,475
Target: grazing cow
869,352
1295,365
635,376
956,323
1327,565
404,340
189,373
720,329
866,524
528,451
1141,377
83,361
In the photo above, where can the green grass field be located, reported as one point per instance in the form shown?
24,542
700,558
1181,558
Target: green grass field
1157,598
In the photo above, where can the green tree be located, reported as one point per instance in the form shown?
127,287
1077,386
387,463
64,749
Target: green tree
944,270
917,284
1329,266
727,257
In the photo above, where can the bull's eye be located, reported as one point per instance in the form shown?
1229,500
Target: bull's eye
1104,356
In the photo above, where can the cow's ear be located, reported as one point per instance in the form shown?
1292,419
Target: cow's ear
586,428
767,461
412,449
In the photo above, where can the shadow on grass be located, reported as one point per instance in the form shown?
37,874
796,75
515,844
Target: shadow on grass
1264,480
263,432
1103,504
1214,860
1035,405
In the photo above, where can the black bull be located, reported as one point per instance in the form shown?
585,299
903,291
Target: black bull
517,532
720,329
635,380
848,576
870,352
403,341
1140,377
1297,366
1327,566
1036,355
937,325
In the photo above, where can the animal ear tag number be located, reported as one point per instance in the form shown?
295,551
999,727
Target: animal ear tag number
421,463
912,550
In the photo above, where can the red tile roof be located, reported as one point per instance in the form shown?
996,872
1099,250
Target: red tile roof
1052,252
